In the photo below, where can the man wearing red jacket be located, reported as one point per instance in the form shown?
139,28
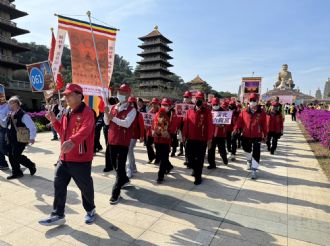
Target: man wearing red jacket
234,137
120,118
150,140
252,123
161,131
274,126
198,132
137,133
219,138
76,130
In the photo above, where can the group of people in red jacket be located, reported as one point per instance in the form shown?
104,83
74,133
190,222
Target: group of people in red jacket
249,127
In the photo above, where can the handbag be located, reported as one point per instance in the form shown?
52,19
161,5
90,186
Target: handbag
22,134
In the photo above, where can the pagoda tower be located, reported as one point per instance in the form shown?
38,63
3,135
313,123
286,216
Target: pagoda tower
154,76
326,93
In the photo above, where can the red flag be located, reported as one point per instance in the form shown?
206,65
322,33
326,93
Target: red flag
59,79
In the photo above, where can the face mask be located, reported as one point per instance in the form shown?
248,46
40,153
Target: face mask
121,98
186,100
199,103
166,108
216,107
253,104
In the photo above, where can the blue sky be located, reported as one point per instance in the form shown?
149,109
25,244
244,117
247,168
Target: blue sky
219,40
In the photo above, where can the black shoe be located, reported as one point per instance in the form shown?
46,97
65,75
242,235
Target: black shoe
114,200
156,162
33,170
54,139
172,154
105,170
193,173
159,181
169,170
15,176
272,152
150,161
185,163
180,154
198,181
211,167
225,162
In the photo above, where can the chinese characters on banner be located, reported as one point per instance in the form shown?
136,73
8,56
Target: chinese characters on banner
222,117
148,119
41,76
182,108
58,51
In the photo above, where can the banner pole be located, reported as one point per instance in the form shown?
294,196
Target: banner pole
97,58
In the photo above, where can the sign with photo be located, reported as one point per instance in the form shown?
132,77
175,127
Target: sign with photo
182,108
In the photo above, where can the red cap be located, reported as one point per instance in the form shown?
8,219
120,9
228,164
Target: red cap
199,95
253,97
215,101
155,100
72,88
232,102
166,101
131,100
162,110
125,89
275,104
187,94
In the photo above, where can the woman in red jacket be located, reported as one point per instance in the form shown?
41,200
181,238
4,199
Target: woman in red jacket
252,123
162,139
150,140
274,126
137,129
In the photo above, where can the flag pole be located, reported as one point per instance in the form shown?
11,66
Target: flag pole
55,79
97,58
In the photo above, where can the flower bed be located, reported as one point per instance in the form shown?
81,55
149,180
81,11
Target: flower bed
317,124
40,120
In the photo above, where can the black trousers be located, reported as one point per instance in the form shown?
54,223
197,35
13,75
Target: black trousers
252,145
228,140
16,158
221,144
272,139
196,156
108,163
3,147
105,133
164,165
293,116
150,149
118,155
175,143
81,174
98,127
234,140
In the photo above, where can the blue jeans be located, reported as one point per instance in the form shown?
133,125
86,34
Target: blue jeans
130,157
3,144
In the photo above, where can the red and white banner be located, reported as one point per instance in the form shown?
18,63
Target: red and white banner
148,118
182,108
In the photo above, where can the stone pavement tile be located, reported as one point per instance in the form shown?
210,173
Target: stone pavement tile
260,213
221,240
203,207
308,212
28,236
107,228
256,223
308,235
21,215
296,203
191,220
313,224
57,232
139,207
82,237
183,232
253,236
137,219
257,186
294,242
7,226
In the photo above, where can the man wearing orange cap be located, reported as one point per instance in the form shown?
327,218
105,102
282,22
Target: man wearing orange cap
252,123
274,126
76,130
120,118
150,140
198,132
219,138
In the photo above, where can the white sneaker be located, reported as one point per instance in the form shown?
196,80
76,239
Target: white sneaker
248,165
129,173
254,174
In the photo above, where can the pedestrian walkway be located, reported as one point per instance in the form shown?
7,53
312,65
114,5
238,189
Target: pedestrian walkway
289,204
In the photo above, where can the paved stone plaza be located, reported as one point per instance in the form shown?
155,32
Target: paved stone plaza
288,205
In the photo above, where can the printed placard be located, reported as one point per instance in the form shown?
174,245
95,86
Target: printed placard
182,108
148,118
222,117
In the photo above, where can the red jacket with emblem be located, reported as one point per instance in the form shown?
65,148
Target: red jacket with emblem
119,135
159,126
198,124
78,126
274,122
253,125
148,128
138,127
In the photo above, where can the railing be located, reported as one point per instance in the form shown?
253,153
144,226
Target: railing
156,42
19,85
9,22
8,3
8,58
143,68
147,51
154,59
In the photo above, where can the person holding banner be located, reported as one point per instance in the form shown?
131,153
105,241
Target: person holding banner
137,133
274,126
4,112
120,118
252,123
21,131
162,138
150,140
219,138
76,130
198,132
